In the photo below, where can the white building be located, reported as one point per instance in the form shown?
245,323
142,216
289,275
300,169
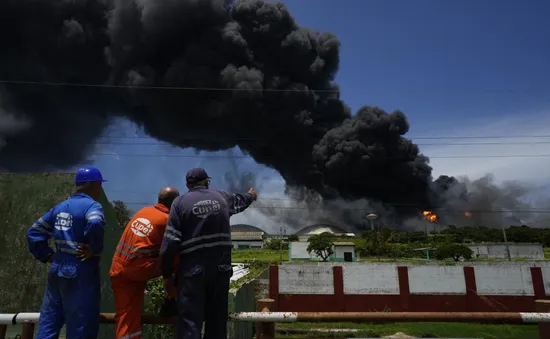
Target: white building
247,240
308,231
343,251
247,237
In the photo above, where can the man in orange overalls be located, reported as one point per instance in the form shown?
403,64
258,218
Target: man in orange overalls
136,261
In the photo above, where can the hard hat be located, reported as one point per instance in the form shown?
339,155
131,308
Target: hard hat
88,174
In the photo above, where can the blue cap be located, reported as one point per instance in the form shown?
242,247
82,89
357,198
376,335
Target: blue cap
88,174
195,175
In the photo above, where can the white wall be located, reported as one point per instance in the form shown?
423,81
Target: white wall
508,278
251,244
370,279
341,249
498,251
306,279
298,251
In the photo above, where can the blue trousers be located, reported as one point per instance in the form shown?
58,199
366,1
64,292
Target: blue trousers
72,297
202,297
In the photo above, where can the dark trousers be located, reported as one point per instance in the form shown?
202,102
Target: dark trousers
202,297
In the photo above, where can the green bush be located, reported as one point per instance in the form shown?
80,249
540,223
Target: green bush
454,251
154,299
275,244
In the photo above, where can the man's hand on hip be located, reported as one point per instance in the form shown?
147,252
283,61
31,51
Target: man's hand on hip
84,253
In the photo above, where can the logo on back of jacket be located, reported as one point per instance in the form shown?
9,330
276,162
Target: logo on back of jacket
142,227
205,208
63,221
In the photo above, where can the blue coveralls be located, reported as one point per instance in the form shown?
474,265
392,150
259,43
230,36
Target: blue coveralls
73,290
198,227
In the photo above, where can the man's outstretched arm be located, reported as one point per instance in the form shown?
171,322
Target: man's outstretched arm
239,202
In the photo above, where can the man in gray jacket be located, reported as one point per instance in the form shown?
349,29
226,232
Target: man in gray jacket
198,228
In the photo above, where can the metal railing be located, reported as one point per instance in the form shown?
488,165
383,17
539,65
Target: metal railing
266,318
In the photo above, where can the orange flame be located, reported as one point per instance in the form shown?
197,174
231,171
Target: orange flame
430,216
468,214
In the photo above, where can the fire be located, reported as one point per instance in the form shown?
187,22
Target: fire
430,216
468,214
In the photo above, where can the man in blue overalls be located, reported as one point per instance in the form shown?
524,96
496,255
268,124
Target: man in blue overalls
198,228
73,290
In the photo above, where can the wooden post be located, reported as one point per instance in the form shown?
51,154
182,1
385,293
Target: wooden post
543,306
3,330
265,330
27,331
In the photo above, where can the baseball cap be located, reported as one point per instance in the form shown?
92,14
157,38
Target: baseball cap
195,175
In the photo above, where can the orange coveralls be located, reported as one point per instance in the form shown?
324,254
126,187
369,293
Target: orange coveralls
136,261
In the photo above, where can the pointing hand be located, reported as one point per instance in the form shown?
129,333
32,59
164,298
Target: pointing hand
253,192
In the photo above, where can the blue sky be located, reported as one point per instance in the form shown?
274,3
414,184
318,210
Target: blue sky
456,68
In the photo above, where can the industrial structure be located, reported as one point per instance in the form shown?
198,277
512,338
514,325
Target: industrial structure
247,237
308,231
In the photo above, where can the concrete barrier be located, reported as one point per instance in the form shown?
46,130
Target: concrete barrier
361,287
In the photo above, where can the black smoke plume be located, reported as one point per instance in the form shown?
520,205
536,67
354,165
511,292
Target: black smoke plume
248,77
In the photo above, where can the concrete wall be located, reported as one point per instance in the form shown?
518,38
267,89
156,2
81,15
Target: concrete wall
372,278
511,286
499,251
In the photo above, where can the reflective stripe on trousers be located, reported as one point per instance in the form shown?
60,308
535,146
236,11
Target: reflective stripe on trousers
131,335
132,252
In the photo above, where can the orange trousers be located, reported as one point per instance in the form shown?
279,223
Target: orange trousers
129,306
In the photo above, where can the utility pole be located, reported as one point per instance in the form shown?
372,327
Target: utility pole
281,246
507,245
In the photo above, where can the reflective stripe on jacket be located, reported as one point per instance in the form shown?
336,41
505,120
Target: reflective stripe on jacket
137,252
74,222
198,228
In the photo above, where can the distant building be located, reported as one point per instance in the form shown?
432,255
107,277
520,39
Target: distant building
308,231
343,251
247,237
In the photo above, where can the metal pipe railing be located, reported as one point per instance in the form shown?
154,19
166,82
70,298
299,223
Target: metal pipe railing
367,317
266,319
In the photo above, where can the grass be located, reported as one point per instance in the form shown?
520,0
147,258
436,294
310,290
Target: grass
263,255
422,330
23,199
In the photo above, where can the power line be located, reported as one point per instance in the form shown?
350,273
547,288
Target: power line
169,88
388,158
294,143
532,211
150,87
538,136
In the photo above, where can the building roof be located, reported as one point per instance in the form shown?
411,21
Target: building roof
320,228
247,235
245,228
344,243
